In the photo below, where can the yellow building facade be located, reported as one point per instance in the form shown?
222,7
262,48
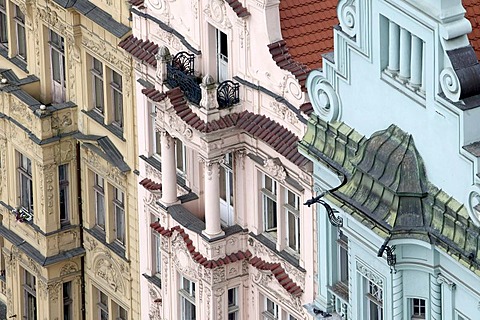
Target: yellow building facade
68,188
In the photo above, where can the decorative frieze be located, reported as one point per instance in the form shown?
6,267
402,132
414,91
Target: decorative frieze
104,168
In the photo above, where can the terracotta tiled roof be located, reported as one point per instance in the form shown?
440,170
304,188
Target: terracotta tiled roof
154,95
261,127
307,28
137,3
275,268
143,50
197,256
284,60
473,14
240,10
307,108
150,185
279,274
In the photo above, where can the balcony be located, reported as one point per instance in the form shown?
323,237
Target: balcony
180,73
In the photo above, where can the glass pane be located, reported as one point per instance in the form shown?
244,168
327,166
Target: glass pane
98,93
21,41
56,71
100,213
292,231
158,146
118,107
120,224
223,184
270,213
180,155
3,28
232,297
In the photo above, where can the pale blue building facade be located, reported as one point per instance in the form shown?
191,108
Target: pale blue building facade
395,141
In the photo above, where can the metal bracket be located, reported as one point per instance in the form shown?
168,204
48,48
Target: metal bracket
336,221
391,257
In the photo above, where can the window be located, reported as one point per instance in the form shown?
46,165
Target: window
157,143
26,183
290,317
226,190
57,57
117,97
63,193
30,296
187,299
21,37
122,314
99,201
374,301
293,220
67,301
269,196
342,243
418,308
98,98
233,308
272,311
222,56
119,204
102,306
180,155
157,254
3,24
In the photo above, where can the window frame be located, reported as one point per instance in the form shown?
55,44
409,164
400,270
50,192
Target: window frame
57,54
270,217
343,271
233,308
20,33
416,308
64,192
292,210
97,72
187,298
117,94
182,149
67,300
374,299
119,215
274,312
99,191
29,294
102,305
4,42
157,253
227,188
25,176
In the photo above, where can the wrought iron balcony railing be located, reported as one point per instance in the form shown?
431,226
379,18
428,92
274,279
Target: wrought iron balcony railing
228,94
180,73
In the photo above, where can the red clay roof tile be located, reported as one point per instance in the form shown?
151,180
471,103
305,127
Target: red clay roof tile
473,15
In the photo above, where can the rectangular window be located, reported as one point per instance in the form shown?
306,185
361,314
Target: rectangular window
122,314
343,259
102,306
227,190
99,201
418,308
222,56
3,24
119,203
269,203
272,311
233,308
63,193
157,253
67,301
26,183
374,301
21,36
292,207
57,57
117,97
30,296
180,154
97,86
187,299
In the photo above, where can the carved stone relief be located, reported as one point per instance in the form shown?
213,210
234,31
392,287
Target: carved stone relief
284,113
68,268
275,168
216,11
108,273
103,168
3,164
370,274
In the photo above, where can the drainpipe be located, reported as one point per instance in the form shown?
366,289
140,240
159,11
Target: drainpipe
80,217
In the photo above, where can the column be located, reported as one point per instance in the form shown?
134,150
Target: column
212,200
446,292
405,55
424,68
436,298
393,48
169,170
416,62
397,290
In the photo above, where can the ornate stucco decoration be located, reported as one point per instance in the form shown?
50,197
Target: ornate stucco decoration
155,297
106,271
104,168
3,167
474,204
441,279
450,84
68,269
348,17
283,112
324,98
275,168
370,274
217,12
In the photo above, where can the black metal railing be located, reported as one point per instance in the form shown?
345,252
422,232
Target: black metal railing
180,73
228,94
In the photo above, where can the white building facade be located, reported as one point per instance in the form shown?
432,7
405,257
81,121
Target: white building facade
394,141
223,230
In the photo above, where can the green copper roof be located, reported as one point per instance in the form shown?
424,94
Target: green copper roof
387,188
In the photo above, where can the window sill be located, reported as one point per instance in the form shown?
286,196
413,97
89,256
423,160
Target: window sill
117,131
153,279
115,247
20,63
340,289
416,95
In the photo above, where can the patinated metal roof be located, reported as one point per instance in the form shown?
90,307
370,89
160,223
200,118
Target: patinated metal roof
388,190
